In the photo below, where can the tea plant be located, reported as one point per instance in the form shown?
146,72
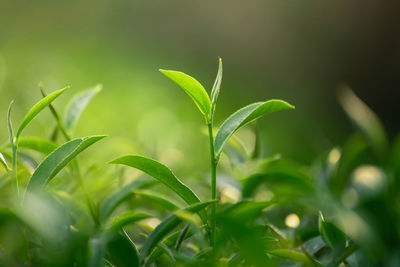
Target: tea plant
266,211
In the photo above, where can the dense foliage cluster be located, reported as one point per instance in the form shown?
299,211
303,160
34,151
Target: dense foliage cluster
261,211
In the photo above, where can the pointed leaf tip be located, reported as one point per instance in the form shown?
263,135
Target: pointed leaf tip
192,87
244,116
38,107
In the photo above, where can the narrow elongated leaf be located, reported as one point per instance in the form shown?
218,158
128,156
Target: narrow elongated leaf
216,87
365,119
3,161
331,233
118,197
58,159
38,144
291,255
39,106
127,218
192,87
122,251
244,116
161,173
76,106
167,226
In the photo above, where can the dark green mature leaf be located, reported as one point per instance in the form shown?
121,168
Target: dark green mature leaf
365,119
76,106
192,87
216,87
58,159
39,106
161,173
331,233
244,116
122,251
291,255
38,144
167,226
3,161
118,197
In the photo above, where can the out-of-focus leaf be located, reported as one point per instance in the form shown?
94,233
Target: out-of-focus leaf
163,174
365,119
333,236
216,87
77,105
166,226
122,251
58,159
249,240
291,255
163,201
38,144
193,88
244,116
39,106
96,252
279,176
126,218
182,236
118,197
3,161
169,242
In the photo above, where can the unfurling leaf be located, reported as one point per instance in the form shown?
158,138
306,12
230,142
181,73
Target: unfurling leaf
216,87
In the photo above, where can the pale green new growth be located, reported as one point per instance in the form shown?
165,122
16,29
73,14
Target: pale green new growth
193,88
244,116
58,159
76,106
39,106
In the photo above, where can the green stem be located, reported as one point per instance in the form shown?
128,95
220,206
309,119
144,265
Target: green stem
14,168
213,184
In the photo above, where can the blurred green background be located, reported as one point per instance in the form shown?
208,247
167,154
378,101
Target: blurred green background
300,51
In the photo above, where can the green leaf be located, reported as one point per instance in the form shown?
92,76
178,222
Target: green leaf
244,116
122,251
58,159
162,201
76,106
126,218
365,119
331,233
39,106
167,226
291,255
193,88
38,144
168,242
3,162
118,197
163,174
216,87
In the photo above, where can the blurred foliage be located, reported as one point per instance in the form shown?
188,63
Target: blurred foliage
299,189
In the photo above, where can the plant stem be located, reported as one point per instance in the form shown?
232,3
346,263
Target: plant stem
213,183
14,168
